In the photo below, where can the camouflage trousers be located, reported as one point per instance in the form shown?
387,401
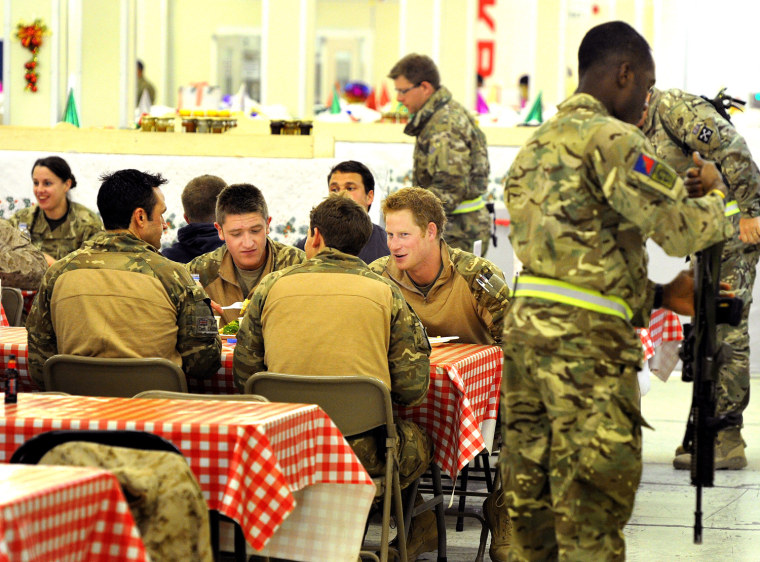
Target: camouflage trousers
571,460
738,264
464,229
415,451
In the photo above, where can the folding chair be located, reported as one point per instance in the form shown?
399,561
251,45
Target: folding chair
13,303
99,376
356,404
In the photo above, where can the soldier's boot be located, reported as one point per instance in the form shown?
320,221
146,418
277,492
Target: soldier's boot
495,514
422,536
729,452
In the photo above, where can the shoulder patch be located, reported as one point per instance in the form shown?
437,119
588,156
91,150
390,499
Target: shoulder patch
658,174
703,133
205,326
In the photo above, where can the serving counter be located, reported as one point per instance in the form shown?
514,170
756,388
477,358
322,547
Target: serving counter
290,170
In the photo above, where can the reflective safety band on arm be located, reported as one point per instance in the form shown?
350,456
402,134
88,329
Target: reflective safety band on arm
732,207
469,206
567,293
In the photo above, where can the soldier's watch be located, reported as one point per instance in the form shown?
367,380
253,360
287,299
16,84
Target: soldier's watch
659,292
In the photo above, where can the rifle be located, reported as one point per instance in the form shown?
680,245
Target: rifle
702,358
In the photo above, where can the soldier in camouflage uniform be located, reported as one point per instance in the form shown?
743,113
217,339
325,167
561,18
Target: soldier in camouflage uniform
334,293
56,225
454,293
231,272
450,154
118,297
584,194
22,265
678,124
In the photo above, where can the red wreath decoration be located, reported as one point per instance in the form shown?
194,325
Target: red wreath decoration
31,38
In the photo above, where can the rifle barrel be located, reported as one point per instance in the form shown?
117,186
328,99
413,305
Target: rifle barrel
698,517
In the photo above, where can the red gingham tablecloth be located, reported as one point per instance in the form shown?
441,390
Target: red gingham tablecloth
247,456
65,513
13,342
465,381
664,326
28,299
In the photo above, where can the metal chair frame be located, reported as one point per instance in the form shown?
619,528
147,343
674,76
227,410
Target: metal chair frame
356,404
100,376
13,304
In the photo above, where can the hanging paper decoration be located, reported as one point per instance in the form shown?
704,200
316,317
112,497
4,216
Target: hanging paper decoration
31,38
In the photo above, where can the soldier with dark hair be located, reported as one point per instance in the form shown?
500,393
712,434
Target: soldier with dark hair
231,272
353,179
679,124
199,235
584,195
450,154
334,292
56,224
99,300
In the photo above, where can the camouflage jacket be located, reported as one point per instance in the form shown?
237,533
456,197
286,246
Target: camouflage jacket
450,155
331,315
584,194
699,126
160,312
21,264
80,225
216,271
468,299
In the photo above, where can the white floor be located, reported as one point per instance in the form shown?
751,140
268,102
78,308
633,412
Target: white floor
661,528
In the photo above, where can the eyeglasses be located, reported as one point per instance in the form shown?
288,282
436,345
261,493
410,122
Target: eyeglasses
404,91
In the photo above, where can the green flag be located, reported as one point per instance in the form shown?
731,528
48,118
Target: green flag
70,114
335,105
536,112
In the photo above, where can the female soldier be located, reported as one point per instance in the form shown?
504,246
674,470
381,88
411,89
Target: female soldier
56,225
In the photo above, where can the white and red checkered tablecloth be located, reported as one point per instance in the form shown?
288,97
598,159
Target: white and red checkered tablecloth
465,381
65,513
248,457
28,299
13,342
464,386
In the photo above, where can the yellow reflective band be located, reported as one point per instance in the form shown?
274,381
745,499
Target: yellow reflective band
732,207
469,206
567,293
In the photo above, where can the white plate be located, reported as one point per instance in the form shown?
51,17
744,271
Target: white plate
438,340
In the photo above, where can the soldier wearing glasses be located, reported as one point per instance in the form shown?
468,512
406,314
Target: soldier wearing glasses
450,156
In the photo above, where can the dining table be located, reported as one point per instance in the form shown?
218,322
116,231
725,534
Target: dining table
461,408
276,469
459,411
65,513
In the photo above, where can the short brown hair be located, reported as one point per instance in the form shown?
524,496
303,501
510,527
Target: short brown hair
199,198
240,199
417,69
343,223
424,206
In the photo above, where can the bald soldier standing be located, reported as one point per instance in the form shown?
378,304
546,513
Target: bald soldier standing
679,124
450,154
584,194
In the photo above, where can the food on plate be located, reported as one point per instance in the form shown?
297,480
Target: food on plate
231,328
